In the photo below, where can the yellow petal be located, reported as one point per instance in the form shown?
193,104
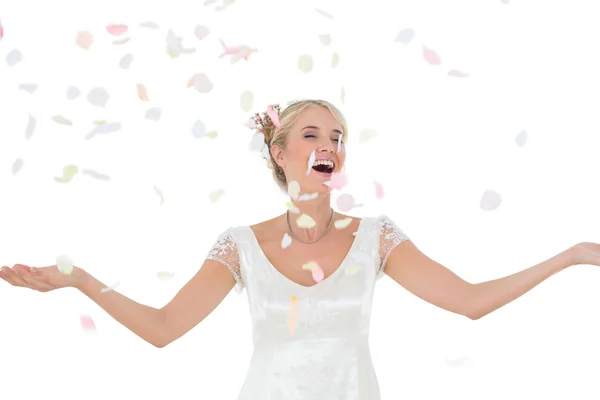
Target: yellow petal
103,122
216,195
305,63
305,221
310,266
211,134
68,173
293,209
163,275
352,269
342,223
335,60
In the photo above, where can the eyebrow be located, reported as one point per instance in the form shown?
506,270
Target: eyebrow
317,128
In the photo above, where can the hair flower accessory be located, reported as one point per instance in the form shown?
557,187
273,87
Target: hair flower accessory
271,114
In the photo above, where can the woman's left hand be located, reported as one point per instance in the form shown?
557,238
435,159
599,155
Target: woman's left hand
586,253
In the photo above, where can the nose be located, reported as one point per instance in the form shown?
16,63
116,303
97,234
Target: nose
327,147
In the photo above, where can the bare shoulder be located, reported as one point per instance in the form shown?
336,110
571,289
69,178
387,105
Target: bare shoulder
267,229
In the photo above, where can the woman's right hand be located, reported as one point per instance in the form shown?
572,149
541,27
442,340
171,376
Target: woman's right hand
42,279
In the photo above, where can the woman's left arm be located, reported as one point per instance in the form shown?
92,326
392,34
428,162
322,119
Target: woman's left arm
437,285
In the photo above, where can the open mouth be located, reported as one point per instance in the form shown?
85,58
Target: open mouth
324,167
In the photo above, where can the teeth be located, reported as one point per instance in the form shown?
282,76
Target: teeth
324,162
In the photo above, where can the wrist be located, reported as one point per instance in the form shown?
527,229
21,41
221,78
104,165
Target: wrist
80,278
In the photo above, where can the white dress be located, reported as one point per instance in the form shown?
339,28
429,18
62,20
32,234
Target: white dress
327,356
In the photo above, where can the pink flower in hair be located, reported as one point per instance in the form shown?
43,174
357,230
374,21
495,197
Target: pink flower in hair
273,116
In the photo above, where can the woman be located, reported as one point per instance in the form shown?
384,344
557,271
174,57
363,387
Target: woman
310,300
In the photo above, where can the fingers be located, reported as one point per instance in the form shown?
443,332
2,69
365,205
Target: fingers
20,275
12,277
34,281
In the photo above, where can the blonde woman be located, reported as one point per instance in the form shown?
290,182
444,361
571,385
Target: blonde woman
309,286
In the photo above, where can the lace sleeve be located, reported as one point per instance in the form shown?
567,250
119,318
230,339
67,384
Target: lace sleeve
225,251
390,236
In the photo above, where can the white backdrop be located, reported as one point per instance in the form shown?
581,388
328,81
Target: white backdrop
523,124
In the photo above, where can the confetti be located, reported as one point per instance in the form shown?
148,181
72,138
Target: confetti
293,209
164,275
174,45
72,93
95,175
17,165
28,87
310,266
378,190
306,221
84,40
338,180
160,194
104,129
490,200
325,39
315,269
431,56
505,1
68,173
286,241
258,142
405,36
98,97
216,195
311,162
211,134
153,114
305,63
521,138
142,92
308,197
121,41
64,265
237,52
201,83
246,100
343,96
335,60
1,30
323,13
292,316
117,29
327,183
342,223
125,61
293,190
31,125
100,122
149,24
87,323
345,202
14,57
340,141
109,288
59,119
366,134
452,361
201,32
352,269
457,73
198,130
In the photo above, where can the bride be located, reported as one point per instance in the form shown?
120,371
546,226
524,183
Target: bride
309,286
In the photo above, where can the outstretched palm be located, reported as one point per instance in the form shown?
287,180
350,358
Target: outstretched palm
42,279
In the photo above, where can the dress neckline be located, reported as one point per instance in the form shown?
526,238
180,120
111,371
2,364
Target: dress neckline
335,272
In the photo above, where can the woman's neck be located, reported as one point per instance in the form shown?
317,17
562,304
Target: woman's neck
319,210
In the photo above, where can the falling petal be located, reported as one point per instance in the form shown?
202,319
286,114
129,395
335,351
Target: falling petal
335,60
216,195
211,134
366,134
310,266
342,223
338,181
293,190
457,73
318,274
293,209
431,56
201,32
273,116
28,87
164,275
109,288
64,265
378,190
104,129
453,361
521,138
505,1
59,119
72,93
14,57
311,162
258,142
84,40
160,194
325,39
198,130
352,269
246,100
405,36
286,241
266,153
175,45
121,41
95,175
1,30
292,316
307,197
305,63
17,165
31,125
117,29
305,221
340,141
323,13
153,114
201,83
345,202
142,92
98,97
343,95
125,61
68,173
149,24
490,200
327,183
87,323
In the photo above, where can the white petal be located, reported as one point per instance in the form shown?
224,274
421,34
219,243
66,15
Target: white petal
287,240
64,264
311,162
294,190
342,223
305,221
307,196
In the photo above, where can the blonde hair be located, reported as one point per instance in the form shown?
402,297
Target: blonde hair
287,119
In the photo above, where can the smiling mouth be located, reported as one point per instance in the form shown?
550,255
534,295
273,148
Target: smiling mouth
325,169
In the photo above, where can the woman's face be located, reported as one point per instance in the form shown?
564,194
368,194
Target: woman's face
315,130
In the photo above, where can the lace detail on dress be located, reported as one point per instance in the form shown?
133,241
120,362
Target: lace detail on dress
390,236
225,251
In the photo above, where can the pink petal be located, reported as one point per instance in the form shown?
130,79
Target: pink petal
338,180
431,56
274,117
378,190
1,31
117,29
318,274
345,202
87,323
